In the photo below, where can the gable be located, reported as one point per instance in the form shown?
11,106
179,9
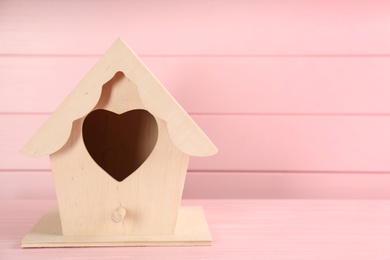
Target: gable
183,131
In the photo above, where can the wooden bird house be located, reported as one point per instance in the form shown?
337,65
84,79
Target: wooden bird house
119,146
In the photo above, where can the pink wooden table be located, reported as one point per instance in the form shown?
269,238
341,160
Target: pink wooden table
241,229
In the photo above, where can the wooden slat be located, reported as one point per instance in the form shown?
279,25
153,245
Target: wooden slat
254,143
196,27
217,85
230,185
297,143
27,185
241,229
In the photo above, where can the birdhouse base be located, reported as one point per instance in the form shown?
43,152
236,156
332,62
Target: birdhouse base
191,230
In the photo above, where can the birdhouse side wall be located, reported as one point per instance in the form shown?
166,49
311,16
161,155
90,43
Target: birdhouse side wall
87,195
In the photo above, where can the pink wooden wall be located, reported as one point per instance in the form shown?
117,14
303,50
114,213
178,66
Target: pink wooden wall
296,94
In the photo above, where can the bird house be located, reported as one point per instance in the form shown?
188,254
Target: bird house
119,147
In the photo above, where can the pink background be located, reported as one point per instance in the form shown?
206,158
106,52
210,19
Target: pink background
295,94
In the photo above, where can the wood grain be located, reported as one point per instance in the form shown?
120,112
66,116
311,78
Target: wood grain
245,229
196,27
250,85
87,196
84,188
191,230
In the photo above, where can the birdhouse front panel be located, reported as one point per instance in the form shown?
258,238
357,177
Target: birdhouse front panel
119,156
119,147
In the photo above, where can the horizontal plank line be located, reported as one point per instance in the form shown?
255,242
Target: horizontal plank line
53,55
292,172
237,171
240,114
24,170
250,86
224,185
254,143
25,113
291,114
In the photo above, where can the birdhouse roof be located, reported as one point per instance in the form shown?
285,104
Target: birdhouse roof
183,131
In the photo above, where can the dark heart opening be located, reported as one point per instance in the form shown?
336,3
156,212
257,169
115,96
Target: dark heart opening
120,143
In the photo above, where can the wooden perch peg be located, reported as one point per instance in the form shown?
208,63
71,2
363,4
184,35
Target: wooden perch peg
118,215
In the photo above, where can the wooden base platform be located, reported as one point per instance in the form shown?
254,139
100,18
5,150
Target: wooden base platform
191,230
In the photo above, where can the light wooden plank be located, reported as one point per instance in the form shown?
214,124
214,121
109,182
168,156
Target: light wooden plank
231,185
210,85
191,230
254,143
196,27
241,229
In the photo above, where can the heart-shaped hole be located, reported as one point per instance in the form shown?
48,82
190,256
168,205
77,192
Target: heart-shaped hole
120,143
